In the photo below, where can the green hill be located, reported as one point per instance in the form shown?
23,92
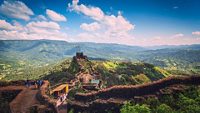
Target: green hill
20,58
123,73
112,72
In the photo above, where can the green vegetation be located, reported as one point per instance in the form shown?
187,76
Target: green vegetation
129,108
83,65
182,61
113,72
117,65
163,108
110,65
187,101
128,73
27,70
74,67
22,59
58,73
55,73
141,78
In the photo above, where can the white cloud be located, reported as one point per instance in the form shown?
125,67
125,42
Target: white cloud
196,33
166,40
176,39
117,23
104,28
90,27
16,9
113,28
178,35
5,25
41,17
98,38
33,30
55,16
93,12
117,29
44,25
114,22
74,2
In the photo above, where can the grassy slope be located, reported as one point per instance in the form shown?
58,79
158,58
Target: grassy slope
129,73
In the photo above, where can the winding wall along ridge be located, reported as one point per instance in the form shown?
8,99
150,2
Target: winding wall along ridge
126,92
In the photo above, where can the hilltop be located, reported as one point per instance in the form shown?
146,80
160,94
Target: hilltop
112,72
22,59
19,57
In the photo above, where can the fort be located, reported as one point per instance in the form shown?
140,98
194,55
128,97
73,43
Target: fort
80,55
116,95
89,79
103,99
40,99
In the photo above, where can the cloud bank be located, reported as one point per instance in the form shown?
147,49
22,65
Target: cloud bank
18,21
105,28
90,27
16,10
55,16
197,33
31,31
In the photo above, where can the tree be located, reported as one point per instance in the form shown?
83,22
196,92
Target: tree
191,109
154,102
184,101
130,108
163,108
188,105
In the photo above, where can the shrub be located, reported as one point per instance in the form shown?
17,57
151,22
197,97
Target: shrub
163,108
130,108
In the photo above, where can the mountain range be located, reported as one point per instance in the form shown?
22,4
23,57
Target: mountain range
50,51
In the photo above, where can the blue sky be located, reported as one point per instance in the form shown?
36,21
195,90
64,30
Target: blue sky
130,22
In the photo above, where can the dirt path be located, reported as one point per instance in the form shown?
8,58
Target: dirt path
7,88
24,100
62,108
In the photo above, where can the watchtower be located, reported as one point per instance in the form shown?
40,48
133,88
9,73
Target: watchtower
78,49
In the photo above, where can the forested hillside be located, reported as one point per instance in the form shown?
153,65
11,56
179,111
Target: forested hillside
19,58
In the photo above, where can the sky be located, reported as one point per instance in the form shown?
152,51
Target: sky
129,22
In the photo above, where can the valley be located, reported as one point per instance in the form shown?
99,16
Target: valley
99,78
19,58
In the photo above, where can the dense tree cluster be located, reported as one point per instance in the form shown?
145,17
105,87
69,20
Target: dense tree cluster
185,102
